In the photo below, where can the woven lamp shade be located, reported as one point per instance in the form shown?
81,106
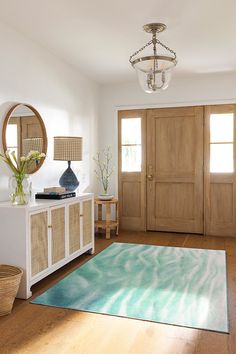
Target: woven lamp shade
68,148
32,144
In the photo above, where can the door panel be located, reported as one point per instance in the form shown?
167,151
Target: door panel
172,136
221,202
31,127
175,169
131,198
175,200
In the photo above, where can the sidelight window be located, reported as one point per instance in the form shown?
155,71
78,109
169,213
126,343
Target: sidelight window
131,154
11,138
221,143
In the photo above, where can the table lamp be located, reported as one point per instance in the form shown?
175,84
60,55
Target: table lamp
68,148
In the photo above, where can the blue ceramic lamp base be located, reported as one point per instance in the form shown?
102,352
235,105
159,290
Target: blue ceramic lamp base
69,180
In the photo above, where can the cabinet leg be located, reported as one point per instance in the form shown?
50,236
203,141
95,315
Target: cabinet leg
24,291
91,251
117,218
108,221
108,232
99,212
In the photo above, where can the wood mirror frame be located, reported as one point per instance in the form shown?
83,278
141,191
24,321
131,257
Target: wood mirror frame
43,133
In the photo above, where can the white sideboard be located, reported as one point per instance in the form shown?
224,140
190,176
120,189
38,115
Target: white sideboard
44,235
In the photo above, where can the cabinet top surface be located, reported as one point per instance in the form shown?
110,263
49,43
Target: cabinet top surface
45,203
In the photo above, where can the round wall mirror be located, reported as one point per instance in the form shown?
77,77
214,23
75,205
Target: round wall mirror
24,131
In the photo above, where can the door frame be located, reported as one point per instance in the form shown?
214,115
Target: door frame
129,112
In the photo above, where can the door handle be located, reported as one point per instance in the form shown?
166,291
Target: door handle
150,173
150,177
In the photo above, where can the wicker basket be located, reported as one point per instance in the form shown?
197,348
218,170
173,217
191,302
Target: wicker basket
10,277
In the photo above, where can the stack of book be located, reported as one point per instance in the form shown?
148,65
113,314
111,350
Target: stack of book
54,193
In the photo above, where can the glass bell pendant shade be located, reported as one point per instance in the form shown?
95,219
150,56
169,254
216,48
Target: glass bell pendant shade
154,82
154,75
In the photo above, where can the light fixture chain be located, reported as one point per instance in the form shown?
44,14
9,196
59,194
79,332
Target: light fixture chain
167,48
140,50
149,43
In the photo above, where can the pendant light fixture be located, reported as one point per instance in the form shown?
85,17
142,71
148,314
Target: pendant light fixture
154,71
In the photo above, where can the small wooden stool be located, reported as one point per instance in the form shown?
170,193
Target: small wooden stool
107,224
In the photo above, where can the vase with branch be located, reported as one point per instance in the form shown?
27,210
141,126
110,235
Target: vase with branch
19,184
104,170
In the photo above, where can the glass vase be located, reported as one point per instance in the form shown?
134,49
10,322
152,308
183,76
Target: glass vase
20,189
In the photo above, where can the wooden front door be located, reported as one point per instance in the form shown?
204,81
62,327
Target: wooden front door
175,169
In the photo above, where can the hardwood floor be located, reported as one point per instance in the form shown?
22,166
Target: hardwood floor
34,329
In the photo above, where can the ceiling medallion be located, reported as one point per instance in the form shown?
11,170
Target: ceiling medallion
154,71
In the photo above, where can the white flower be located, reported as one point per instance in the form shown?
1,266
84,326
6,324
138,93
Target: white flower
35,155
23,158
32,153
42,155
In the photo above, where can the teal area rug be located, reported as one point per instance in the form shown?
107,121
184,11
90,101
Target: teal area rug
179,286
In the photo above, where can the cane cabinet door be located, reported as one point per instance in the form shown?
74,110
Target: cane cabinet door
39,242
58,234
74,227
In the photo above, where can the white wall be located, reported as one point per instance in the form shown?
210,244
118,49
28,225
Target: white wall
189,90
68,103
66,100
